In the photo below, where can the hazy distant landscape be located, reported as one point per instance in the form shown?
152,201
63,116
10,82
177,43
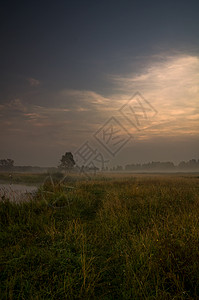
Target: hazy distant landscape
155,166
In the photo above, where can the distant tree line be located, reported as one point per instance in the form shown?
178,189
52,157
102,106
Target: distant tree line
67,163
7,165
191,165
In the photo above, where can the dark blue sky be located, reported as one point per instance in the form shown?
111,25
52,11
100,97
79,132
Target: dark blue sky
80,45
72,44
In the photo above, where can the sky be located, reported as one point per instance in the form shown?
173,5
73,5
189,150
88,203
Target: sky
114,81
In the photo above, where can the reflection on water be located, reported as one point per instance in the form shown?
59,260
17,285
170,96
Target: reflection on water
17,192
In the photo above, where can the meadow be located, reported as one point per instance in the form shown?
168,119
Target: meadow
112,237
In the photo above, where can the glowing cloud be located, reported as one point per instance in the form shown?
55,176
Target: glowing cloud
172,86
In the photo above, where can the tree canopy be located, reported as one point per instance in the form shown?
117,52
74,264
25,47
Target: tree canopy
6,163
67,161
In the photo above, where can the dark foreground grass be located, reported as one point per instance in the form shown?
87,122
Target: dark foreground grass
133,238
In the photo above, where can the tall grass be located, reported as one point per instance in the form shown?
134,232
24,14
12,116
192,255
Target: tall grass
119,238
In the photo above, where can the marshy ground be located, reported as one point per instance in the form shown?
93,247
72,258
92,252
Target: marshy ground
113,237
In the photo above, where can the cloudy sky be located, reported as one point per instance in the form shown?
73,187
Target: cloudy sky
119,76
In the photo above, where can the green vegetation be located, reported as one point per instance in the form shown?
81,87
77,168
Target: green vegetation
109,238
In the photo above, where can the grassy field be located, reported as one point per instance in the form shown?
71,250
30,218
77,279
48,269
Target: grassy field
119,237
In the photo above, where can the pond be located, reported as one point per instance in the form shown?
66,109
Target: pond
17,192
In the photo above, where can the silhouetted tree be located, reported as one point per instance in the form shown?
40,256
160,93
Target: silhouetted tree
67,161
6,164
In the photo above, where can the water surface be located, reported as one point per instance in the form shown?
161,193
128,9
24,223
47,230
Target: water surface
16,192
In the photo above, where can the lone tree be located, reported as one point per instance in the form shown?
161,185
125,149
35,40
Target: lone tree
6,164
67,161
